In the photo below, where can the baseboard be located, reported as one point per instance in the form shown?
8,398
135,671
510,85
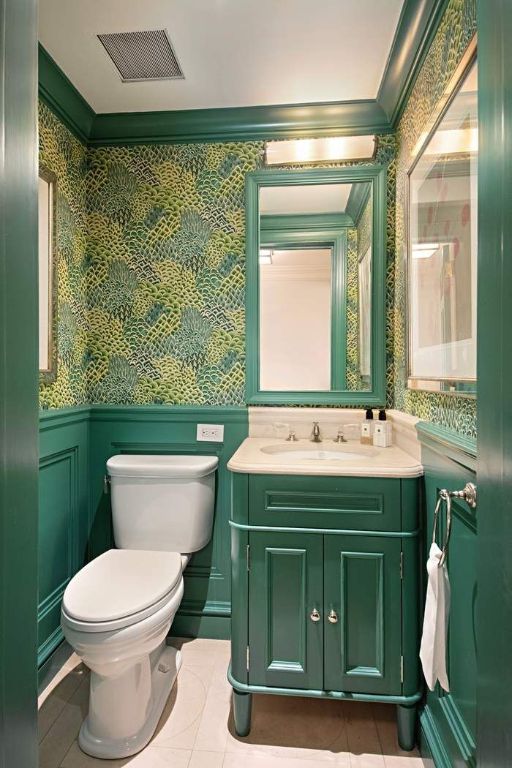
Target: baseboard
53,665
431,744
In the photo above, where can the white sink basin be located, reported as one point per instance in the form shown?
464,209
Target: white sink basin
316,453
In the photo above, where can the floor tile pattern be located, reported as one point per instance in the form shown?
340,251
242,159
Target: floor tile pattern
196,727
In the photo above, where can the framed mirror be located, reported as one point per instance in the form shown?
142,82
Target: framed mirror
442,244
47,226
315,293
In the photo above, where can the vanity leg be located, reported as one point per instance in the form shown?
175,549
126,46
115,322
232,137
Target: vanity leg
242,705
406,722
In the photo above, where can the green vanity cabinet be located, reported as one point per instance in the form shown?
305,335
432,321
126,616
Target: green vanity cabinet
325,591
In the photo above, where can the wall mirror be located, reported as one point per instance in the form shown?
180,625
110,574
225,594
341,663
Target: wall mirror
442,248
47,196
315,286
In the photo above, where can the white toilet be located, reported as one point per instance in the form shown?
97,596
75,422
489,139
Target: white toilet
117,611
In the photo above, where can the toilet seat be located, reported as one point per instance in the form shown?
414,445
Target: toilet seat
120,588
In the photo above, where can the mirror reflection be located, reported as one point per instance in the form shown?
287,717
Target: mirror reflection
315,287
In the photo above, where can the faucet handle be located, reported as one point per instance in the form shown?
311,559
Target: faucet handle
340,438
292,437
315,434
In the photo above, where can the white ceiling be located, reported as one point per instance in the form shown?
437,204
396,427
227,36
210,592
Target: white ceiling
233,52
312,198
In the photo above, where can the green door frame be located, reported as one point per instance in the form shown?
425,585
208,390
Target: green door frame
336,241
494,468
18,384
271,177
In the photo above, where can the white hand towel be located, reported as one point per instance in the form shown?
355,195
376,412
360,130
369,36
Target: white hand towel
435,622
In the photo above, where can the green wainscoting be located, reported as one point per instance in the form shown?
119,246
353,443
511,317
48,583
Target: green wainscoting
206,606
64,520
448,720
75,517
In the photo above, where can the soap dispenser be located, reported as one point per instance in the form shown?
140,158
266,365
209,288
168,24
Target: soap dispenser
382,431
367,428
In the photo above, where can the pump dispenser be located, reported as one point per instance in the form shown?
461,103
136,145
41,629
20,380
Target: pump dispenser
367,428
382,431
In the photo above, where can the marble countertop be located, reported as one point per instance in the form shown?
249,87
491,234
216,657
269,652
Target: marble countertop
370,461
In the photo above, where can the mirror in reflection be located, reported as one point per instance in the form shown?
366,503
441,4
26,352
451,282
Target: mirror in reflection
315,287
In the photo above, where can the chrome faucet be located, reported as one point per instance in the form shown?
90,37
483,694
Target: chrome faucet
315,434
340,438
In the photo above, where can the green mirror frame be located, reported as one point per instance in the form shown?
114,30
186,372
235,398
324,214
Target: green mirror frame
376,393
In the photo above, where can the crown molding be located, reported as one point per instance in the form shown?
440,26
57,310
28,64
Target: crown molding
347,118
417,25
416,28
291,222
356,203
59,93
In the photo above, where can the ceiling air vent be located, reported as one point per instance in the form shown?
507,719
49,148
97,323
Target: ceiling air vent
146,55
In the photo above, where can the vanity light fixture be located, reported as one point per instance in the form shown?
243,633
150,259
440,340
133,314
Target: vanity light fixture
424,250
265,256
335,148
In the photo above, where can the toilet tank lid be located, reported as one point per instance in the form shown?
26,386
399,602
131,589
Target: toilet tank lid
121,582
146,465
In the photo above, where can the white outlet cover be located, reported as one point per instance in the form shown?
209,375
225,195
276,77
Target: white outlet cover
210,433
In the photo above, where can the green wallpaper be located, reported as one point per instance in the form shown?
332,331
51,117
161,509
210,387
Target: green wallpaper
455,32
66,156
165,275
352,310
151,246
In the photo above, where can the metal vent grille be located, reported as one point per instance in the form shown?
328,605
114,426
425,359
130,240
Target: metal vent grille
144,55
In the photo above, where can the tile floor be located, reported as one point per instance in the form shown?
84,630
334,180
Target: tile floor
196,728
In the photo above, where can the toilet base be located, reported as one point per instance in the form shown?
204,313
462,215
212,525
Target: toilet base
163,675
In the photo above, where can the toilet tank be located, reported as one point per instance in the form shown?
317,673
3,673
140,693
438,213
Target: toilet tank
162,502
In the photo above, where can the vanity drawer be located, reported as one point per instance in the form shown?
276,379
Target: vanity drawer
355,503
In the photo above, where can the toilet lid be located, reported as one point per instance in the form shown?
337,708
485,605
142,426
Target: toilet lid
121,582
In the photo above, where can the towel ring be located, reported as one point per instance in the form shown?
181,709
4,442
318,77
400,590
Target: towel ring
443,497
469,495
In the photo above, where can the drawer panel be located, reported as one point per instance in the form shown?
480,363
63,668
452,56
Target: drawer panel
359,503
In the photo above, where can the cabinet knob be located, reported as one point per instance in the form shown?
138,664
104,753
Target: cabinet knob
315,616
333,616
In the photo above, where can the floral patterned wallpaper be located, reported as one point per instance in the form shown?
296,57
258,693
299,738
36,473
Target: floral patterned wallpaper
66,156
152,252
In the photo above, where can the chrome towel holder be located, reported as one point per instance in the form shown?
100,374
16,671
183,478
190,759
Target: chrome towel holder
469,495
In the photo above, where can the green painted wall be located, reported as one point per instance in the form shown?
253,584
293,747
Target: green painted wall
66,156
449,720
456,29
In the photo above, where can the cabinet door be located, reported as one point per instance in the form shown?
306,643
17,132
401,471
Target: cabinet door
363,589
285,588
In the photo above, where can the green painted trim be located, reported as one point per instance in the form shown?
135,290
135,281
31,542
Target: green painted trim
445,441
304,221
435,747
359,195
49,646
416,28
53,664
163,413
376,176
326,531
418,23
336,240
285,121
59,93
55,418
318,694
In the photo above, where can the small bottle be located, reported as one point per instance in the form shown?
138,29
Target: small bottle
382,431
367,428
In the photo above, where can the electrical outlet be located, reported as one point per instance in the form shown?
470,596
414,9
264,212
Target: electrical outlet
212,433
